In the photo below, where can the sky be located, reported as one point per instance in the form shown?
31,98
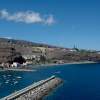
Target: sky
62,23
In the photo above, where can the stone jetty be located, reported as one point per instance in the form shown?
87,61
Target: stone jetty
36,91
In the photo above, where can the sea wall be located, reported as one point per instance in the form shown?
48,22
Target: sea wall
35,91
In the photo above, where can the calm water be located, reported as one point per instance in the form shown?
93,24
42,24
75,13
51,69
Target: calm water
81,82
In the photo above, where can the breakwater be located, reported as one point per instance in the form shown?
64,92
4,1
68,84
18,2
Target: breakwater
35,91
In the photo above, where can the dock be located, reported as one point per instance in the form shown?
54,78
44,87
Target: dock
36,91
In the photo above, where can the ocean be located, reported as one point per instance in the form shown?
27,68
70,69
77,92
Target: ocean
81,81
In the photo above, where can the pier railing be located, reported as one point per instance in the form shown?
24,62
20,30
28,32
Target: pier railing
27,89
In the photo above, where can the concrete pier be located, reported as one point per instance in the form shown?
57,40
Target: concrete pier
35,91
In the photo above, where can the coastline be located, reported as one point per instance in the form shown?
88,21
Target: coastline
70,63
33,67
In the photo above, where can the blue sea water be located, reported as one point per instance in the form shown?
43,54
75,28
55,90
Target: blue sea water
81,81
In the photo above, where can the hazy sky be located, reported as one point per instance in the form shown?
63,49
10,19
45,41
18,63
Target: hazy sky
57,22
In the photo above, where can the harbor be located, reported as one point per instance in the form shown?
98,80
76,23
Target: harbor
35,91
74,82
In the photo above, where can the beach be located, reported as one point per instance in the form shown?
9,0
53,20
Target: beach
70,63
33,67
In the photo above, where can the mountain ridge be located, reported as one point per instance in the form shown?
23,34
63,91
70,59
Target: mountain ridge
27,43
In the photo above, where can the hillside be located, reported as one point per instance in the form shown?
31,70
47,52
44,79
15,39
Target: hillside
24,43
53,53
22,46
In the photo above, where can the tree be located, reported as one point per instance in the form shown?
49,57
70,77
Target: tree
19,59
42,58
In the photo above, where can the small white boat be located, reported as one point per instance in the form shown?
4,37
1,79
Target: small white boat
19,77
58,72
9,75
15,82
7,82
14,79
